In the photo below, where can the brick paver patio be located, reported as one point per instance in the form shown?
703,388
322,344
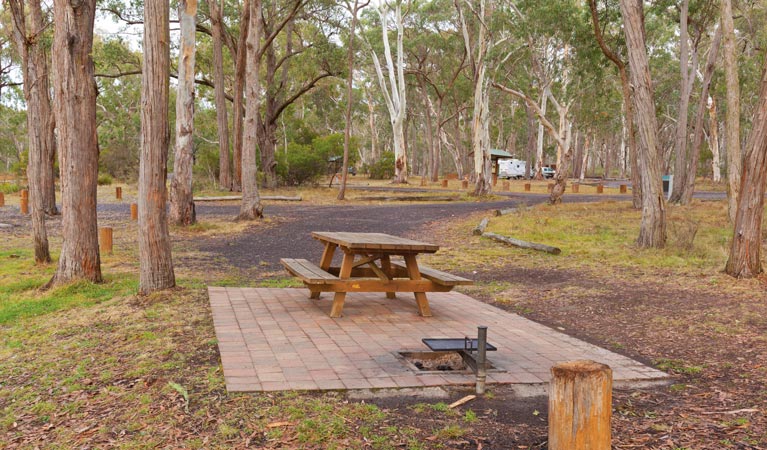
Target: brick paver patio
279,339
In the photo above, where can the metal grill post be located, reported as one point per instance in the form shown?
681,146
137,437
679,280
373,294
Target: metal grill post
481,358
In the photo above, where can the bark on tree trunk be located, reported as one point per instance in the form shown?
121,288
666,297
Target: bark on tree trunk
238,109
713,139
251,207
156,264
530,140
745,259
652,232
697,139
181,197
732,117
36,93
539,149
75,112
680,144
217,28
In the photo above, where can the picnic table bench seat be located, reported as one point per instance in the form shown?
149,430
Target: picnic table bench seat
307,271
437,276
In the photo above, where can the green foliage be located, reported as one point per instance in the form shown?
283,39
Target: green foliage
383,169
299,165
105,179
333,145
10,188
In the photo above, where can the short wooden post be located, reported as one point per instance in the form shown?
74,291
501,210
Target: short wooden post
550,187
600,189
623,188
527,187
24,202
580,406
464,184
133,211
506,185
105,240
423,180
119,193
2,199
576,188
444,183
495,179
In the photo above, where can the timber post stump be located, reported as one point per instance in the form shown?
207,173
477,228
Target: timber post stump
119,193
575,188
423,180
506,185
133,211
600,188
105,239
464,184
550,187
580,406
527,187
444,183
2,199
623,188
24,202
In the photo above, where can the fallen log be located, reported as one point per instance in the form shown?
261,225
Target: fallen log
411,198
522,244
479,229
503,212
239,197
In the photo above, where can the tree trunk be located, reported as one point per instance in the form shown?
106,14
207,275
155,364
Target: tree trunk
530,140
680,144
713,139
181,197
217,28
652,231
732,118
349,100
156,263
34,66
539,149
238,110
745,259
563,169
697,139
75,115
251,207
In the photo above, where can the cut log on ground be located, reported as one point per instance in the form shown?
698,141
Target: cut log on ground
479,229
411,198
523,244
503,212
239,197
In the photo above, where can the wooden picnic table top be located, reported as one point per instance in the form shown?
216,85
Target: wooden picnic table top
374,242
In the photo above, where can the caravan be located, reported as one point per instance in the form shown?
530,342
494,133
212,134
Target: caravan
511,168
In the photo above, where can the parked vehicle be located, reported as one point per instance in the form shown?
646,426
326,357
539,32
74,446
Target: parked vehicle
511,168
548,172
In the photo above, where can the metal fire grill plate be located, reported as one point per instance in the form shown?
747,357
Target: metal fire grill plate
455,344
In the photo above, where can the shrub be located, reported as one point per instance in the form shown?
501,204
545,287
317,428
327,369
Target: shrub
10,188
383,169
104,179
299,165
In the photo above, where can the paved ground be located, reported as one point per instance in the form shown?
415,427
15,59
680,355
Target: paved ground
278,339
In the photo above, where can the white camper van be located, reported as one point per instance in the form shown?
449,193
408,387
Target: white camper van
511,168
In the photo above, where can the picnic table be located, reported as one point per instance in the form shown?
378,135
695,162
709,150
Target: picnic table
367,266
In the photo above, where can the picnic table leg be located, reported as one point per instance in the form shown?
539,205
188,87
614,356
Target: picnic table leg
420,297
386,267
327,259
345,272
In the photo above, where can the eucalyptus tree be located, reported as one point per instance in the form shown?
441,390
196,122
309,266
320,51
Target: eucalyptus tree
219,34
652,231
181,198
155,259
732,114
27,32
75,115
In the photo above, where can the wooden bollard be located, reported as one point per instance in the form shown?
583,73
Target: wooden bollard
550,187
105,239
133,211
119,193
465,184
600,188
24,202
580,406
527,187
506,185
423,181
623,188
576,188
444,183
2,199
